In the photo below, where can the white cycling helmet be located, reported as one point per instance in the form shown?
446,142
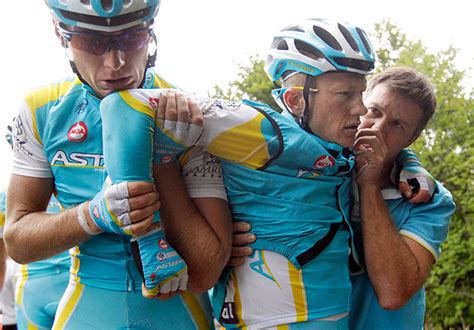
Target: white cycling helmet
316,46
103,15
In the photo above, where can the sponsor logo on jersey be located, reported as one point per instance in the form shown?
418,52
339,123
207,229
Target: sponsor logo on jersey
154,102
228,314
77,132
161,256
162,243
77,159
324,161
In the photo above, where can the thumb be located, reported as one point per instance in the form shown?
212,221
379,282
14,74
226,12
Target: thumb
405,189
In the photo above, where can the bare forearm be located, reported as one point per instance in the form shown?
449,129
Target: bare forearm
200,231
391,266
40,235
205,254
3,265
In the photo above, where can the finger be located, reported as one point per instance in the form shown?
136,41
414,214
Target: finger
405,189
368,142
195,111
243,239
140,228
142,214
171,111
241,251
174,284
183,112
241,227
369,132
145,293
140,188
165,288
235,261
144,200
160,113
421,196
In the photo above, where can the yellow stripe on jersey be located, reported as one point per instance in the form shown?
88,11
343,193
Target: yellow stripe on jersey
69,307
161,83
195,308
43,96
21,285
283,327
75,264
299,294
2,219
136,104
32,326
238,304
243,144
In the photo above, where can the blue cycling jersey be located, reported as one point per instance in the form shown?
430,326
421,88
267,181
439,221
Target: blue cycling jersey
425,223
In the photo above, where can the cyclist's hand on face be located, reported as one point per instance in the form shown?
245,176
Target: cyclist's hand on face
179,124
124,208
240,240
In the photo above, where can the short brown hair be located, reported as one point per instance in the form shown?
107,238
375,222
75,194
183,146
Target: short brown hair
410,84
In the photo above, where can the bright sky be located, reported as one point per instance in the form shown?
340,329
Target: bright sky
200,43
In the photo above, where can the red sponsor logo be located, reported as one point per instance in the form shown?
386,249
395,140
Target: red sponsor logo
77,132
324,161
154,102
166,159
153,277
162,243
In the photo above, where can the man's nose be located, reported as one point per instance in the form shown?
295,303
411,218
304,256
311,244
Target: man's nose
359,109
114,59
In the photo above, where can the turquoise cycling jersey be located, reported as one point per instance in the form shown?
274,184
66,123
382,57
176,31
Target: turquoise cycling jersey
292,186
65,122
427,224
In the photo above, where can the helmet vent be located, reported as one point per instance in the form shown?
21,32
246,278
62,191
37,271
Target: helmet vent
280,44
326,37
355,63
345,32
295,28
107,5
308,50
86,2
363,36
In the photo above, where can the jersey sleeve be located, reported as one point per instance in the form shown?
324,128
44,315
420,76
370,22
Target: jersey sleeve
3,209
29,158
428,223
202,174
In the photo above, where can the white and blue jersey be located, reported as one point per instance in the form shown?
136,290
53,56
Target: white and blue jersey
426,224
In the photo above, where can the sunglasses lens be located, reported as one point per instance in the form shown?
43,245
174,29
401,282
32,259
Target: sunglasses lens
132,40
98,44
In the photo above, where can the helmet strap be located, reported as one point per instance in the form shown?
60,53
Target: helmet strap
152,58
304,120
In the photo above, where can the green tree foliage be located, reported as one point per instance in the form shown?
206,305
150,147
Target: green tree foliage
447,150
252,83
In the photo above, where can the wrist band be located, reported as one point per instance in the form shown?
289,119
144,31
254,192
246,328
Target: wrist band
83,221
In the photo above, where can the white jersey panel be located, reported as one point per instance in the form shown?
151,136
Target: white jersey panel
202,174
29,158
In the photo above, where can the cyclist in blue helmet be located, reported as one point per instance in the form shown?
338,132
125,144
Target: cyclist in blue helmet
57,142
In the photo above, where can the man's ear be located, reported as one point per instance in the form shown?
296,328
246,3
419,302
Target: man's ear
295,102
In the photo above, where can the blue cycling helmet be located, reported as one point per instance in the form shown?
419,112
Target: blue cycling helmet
316,46
103,15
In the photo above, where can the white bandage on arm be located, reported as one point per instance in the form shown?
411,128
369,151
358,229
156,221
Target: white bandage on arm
83,221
